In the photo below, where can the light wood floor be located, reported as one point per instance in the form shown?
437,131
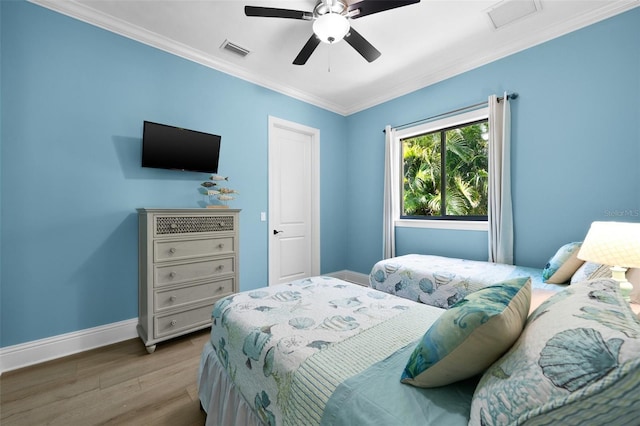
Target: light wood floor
117,384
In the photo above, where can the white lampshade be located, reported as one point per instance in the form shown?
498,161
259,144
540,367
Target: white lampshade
616,244
331,27
613,244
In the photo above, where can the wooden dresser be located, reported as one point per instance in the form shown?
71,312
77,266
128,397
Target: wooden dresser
188,259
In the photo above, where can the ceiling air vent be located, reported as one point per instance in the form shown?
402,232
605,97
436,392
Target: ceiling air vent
234,48
509,11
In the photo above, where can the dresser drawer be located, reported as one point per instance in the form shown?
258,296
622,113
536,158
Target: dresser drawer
184,249
182,321
183,272
193,224
182,296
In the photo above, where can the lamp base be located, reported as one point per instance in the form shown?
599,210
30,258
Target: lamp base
618,273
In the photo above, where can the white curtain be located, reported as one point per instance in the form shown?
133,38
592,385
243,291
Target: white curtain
391,193
500,208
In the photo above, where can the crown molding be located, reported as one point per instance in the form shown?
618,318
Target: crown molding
91,16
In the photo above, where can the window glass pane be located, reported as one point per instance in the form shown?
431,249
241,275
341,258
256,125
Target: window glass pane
421,175
466,171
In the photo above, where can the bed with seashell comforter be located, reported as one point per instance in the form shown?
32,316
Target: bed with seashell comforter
443,281
322,351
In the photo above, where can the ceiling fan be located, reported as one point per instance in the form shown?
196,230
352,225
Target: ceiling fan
331,23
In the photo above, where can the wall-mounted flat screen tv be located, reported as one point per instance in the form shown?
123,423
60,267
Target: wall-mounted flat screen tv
169,147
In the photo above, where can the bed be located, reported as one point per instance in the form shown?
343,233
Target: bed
443,281
322,351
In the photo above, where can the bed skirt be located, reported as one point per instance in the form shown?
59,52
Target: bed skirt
218,397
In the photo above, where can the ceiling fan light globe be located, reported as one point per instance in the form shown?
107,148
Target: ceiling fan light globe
331,28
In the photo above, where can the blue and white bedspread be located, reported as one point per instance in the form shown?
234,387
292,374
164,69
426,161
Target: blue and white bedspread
443,281
288,347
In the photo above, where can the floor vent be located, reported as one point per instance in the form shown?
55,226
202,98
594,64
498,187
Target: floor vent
234,48
509,11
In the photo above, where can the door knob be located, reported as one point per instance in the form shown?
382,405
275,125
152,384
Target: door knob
276,232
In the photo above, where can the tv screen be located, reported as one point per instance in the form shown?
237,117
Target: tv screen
169,147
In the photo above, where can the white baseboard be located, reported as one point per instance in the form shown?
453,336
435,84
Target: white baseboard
352,277
37,351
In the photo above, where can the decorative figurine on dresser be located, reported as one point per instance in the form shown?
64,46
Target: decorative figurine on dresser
188,259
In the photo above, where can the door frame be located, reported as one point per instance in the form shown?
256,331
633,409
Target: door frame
314,134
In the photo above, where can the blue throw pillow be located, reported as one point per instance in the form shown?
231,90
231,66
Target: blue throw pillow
466,339
563,264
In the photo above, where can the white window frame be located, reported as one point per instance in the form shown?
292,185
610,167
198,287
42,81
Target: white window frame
434,126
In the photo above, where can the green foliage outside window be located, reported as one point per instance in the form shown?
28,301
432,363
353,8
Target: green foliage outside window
453,186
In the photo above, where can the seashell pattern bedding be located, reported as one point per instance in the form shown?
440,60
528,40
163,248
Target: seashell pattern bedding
443,281
322,351
263,337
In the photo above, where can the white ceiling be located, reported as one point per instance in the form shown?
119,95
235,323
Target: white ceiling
420,44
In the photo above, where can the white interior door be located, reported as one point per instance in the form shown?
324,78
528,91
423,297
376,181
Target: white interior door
294,201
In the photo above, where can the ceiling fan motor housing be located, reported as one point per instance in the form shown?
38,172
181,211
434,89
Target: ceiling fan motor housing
322,8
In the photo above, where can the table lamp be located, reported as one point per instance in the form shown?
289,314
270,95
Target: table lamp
616,244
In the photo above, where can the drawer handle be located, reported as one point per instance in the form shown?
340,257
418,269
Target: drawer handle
220,223
172,250
173,323
221,246
172,299
172,274
220,267
221,288
173,226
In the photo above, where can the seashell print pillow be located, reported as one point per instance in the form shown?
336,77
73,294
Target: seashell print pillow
563,264
471,335
577,362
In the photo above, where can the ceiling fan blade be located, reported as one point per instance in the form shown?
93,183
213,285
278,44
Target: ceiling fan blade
273,12
369,7
307,50
362,46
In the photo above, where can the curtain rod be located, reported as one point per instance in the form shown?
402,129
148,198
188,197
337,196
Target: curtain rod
444,114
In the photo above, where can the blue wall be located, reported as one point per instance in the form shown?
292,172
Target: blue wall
71,175
576,145
74,97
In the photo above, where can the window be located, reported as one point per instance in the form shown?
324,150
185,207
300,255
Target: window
444,169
